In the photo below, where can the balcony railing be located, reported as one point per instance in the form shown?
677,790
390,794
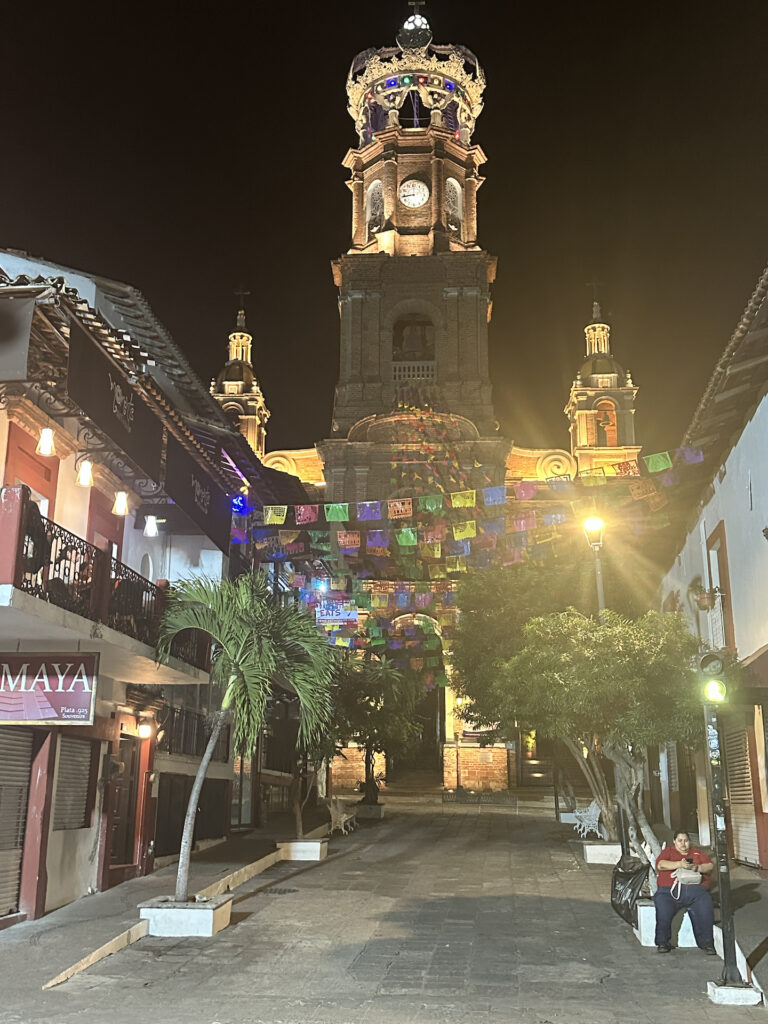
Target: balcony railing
187,732
406,372
57,566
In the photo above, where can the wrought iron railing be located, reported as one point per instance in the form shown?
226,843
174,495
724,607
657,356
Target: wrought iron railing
133,603
65,570
58,566
187,732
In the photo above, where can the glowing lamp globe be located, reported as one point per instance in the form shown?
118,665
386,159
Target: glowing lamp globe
715,691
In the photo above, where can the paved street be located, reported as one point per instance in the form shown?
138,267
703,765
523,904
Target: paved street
456,918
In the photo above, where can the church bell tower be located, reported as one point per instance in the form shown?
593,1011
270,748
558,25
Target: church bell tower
237,391
601,405
415,285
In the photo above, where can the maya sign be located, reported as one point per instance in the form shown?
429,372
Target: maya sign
47,689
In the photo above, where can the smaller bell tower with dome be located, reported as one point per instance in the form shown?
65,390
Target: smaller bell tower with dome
237,390
601,405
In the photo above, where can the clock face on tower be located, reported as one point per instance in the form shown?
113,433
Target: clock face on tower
413,193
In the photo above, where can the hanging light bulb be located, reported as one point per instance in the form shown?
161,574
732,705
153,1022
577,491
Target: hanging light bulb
150,526
85,474
45,445
120,508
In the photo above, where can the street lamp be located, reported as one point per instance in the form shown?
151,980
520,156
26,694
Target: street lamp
714,693
593,531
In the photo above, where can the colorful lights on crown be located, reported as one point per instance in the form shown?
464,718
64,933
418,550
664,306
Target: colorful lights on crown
447,81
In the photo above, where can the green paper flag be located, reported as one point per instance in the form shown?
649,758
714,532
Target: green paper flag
337,513
407,537
657,463
430,502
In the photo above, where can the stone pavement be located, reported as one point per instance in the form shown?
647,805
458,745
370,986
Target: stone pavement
430,917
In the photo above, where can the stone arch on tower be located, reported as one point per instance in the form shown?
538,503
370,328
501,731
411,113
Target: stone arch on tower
606,423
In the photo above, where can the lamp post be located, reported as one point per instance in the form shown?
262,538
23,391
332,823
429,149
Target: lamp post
714,693
593,531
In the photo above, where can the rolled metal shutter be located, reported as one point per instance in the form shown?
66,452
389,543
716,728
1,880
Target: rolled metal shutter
71,806
741,798
15,768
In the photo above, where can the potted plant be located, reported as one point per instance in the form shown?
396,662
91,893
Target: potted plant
255,646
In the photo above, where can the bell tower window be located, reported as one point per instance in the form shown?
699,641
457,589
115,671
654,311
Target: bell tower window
413,349
374,209
606,425
454,205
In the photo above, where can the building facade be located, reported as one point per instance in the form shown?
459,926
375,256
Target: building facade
718,578
119,471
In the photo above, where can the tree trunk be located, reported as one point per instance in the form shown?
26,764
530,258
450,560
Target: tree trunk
185,853
371,787
629,791
296,802
593,772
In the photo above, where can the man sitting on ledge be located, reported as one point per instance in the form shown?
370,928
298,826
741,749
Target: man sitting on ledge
675,894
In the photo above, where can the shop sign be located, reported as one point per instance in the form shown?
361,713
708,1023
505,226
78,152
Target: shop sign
47,689
105,394
198,495
331,612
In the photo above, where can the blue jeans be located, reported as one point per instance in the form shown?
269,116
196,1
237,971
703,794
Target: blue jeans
699,904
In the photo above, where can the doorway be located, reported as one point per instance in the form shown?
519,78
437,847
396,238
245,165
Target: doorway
124,804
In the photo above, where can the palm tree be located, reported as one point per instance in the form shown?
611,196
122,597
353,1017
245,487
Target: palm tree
255,645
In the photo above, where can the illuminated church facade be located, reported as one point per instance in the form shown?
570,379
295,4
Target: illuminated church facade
415,304
415,290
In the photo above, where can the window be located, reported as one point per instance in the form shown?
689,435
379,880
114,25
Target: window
454,210
73,784
413,340
606,425
721,632
374,210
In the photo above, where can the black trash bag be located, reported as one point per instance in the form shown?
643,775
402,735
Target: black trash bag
628,878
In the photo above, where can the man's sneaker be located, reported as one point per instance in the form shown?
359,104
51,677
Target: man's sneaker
666,948
709,950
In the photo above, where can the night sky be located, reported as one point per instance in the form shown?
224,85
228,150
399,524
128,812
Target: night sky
187,151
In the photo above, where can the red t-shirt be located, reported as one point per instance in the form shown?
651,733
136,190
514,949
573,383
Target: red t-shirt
672,853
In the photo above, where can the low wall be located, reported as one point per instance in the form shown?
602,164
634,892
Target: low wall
348,770
479,768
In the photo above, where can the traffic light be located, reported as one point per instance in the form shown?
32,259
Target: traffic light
714,690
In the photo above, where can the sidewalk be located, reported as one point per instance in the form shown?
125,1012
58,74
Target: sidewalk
66,935
750,900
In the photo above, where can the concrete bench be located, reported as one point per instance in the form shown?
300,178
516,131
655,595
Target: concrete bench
646,926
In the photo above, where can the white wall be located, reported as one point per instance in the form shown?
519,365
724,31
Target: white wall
173,557
740,499
72,502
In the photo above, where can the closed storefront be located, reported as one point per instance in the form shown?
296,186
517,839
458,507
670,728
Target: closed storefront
741,794
16,746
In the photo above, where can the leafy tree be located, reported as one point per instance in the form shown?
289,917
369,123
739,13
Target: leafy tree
255,645
375,708
605,688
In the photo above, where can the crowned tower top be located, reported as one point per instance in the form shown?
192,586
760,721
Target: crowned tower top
413,80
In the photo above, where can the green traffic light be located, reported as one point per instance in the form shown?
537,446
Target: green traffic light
715,691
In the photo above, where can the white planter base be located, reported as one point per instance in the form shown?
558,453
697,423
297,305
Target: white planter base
733,995
646,927
206,917
304,849
369,812
600,852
